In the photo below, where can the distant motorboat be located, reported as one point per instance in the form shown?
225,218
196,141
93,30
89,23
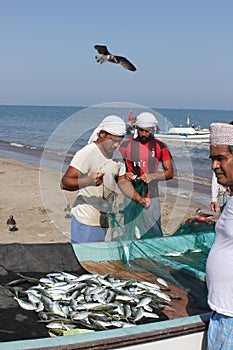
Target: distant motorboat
190,133
187,134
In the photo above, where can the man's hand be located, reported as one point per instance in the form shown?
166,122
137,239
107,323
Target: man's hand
147,178
214,207
96,178
146,202
130,176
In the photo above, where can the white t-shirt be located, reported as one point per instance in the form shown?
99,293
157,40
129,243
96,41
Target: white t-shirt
91,160
219,267
216,189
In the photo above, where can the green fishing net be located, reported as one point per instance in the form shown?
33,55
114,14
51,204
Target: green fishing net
132,213
133,209
180,258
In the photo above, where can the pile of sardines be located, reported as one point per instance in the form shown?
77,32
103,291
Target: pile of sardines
92,301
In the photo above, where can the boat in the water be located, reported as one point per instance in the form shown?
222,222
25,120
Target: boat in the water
185,134
189,133
185,326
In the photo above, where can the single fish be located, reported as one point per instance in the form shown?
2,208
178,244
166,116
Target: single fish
40,307
144,301
82,315
33,298
16,282
25,305
162,282
173,254
55,325
150,314
139,314
28,279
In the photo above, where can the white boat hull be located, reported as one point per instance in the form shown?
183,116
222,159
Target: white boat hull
197,138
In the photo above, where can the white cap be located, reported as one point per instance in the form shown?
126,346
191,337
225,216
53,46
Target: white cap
112,124
221,134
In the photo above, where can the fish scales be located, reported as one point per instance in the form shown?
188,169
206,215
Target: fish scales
94,302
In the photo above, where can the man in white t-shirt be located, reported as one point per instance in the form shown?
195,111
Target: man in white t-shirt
219,267
219,195
95,174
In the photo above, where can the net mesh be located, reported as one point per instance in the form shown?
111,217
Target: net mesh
184,253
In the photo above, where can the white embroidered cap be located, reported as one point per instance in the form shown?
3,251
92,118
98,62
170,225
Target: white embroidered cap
221,134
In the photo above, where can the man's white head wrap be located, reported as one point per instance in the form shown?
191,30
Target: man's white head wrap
112,124
221,134
146,120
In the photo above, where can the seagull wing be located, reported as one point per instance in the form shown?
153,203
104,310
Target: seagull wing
105,55
124,63
102,50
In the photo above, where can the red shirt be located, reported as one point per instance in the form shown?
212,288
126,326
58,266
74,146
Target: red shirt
144,158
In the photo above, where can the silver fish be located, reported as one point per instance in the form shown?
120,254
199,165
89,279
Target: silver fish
33,298
25,305
139,314
94,302
144,301
40,307
46,281
160,294
82,315
162,282
150,314
55,325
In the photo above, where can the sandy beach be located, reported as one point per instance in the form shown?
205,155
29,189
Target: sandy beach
33,196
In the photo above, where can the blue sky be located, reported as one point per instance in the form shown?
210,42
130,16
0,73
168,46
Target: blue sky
182,50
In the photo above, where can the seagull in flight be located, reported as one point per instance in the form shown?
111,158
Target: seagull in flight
103,55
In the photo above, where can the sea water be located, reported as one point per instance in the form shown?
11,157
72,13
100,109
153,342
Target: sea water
48,136
35,127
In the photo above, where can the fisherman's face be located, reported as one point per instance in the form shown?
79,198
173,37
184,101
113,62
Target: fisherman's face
222,164
109,143
144,135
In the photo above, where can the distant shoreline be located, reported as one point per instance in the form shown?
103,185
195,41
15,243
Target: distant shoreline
31,155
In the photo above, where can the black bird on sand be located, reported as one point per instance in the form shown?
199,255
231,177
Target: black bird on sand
67,210
12,224
198,212
105,56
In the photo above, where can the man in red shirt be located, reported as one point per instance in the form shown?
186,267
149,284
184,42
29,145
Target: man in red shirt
142,155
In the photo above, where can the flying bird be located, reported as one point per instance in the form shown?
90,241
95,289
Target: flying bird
104,55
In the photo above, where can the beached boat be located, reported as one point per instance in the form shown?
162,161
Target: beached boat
185,327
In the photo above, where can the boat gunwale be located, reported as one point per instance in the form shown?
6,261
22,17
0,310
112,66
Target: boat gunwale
117,338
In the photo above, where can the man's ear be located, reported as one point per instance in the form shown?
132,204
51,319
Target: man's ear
102,134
